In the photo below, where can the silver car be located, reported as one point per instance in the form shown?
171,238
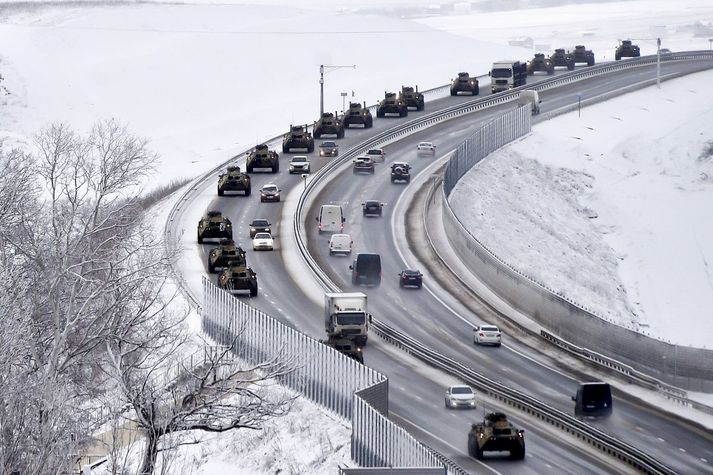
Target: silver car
487,335
460,396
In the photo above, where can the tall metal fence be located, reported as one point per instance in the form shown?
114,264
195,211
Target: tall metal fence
682,366
321,374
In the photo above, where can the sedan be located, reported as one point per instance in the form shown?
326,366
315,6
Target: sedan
372,208
363,164
376,154
259,226
426,148
410,278
299,164
487,335
262,242
270,192
460,396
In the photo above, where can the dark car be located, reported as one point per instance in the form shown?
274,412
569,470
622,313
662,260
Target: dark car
410,278
259,226
270,192
593,400
366,269
372,208
363,164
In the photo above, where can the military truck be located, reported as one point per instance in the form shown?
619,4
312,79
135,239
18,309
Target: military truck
213,225
233,180
496,434
298,138
465,83
328,123
627,49
400,171
227,251
583,55
358,115
237,277
262,157
561,58
540,63
392,103
412,97
346,347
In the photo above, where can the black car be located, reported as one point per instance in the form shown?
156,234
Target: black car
259,226
372,208
410,278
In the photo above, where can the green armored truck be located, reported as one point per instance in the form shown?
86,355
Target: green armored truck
234,180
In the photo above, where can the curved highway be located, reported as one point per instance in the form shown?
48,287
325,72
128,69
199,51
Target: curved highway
437,317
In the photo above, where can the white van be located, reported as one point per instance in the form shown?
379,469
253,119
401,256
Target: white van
330,219
531,98
340,244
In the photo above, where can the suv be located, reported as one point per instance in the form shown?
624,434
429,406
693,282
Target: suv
270,192
328,123
496,434
392,103
236,276
298,137
562,58
376,154
259,226
214,226
372,208
299,164
582,55
465,83
358,114
233,180
540,63
412,97
627,50
400,171
262,157
328,149
363,164
218,257
410,278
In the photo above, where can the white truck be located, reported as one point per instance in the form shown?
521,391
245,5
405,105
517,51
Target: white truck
507,74
346,316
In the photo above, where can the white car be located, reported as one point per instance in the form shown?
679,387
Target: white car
426,148
262,242
460,396
376,154
299,164
487,335
340,244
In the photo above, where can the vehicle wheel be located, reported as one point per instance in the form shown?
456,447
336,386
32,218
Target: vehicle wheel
497,345
211,267
262,200
200,239
403,113
275,168
478,452
570,66
590,62
408,180
471,447
253,291
278,199
477,90
340,134
220,192
617,57
317,134
309,169
379,114
247,191
551,71
421,107
249,169
285,149
310,147
331,253
454,93
448,406
401,284
369,123
420,284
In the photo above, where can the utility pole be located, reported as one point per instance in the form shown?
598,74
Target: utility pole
658,63
322,68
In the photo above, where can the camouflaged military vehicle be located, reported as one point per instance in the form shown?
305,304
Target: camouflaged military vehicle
465,83
540,63
561,58
262,157
214,226
412,97
583,55
392,103
627,50
358,115
400,171
345,346
233,180
496,434
237,277
219,257
298,137
328,123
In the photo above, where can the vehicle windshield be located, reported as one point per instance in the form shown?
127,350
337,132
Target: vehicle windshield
260,222
269,188
375,152
489,329
461,390
501,73
328,144
299,159
263,236
351,319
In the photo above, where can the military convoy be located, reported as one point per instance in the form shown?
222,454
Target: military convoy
627,50
328,123
262,157
226,252
234,180
465,83
412,97
496,434
392,103
583,55
237,277
298,138
214,226
358,115
540,63
561,58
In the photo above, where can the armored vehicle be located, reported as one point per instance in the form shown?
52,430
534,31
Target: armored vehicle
400,171
346,346
236,277
627,50
392,104
583,55
262,157
465,83
328,123
214,225
540,63
233,180
412,97
298,137
496,434
358,115
218,257
562,58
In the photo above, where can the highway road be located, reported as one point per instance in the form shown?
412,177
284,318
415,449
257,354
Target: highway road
438,317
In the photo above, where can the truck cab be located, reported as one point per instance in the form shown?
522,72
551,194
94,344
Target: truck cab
507,74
